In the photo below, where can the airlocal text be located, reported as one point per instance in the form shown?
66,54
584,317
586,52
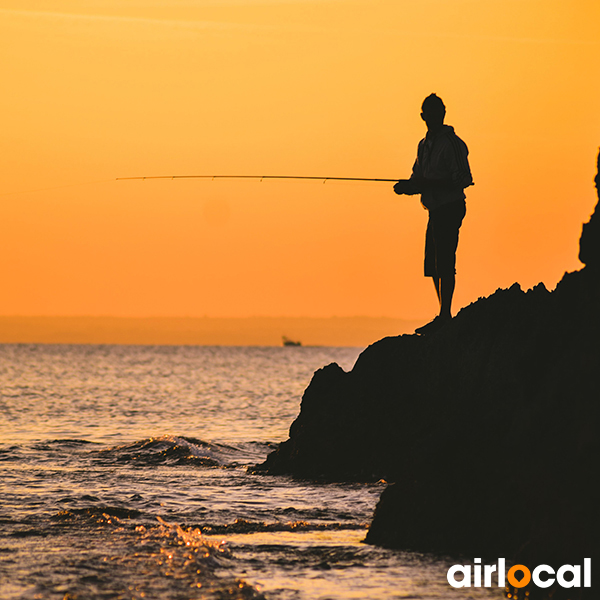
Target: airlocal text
543,576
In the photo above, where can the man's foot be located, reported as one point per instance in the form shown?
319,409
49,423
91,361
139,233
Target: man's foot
433,326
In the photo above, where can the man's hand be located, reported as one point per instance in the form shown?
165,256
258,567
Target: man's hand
405,186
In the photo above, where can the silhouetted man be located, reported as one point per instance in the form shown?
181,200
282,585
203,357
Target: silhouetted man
440,174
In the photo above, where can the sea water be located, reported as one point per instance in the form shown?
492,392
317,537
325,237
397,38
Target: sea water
123,474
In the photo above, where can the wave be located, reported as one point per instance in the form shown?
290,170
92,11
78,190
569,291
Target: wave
123,554
165,450
161,450
43,450
181,450
102,514
246,526
97,514
9,453
66,443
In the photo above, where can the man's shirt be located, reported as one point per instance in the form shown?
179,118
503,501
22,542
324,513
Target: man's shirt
443,155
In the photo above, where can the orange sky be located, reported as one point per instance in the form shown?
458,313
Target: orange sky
98,89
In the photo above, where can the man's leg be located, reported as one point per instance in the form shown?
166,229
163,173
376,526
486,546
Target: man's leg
440,257
446,242
445,290
440,286
436,283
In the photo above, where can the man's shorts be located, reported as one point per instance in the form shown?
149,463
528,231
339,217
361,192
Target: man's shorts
441,239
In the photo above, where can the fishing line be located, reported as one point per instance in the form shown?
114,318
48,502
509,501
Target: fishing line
260,177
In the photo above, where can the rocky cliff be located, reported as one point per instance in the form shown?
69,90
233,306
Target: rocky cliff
489,427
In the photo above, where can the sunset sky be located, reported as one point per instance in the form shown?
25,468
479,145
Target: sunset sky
93,90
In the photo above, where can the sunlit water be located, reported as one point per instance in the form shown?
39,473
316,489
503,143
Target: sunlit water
123,475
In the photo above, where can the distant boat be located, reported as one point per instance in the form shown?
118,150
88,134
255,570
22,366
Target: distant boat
288,342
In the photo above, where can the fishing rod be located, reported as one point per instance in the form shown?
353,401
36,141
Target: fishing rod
261,177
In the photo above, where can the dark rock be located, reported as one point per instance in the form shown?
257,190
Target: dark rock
488,427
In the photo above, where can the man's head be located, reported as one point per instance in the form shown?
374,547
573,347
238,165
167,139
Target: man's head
433,112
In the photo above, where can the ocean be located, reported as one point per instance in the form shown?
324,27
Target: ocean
123,475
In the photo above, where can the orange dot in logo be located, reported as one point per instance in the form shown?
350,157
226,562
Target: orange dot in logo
516,582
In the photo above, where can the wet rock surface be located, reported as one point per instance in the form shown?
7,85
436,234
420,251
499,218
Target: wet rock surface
488,428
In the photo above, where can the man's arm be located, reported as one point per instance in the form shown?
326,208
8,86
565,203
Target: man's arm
418,185
411,186
430,185
458,163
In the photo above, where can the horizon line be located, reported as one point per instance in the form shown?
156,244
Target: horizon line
229,318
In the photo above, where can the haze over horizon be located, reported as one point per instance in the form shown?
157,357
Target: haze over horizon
99,90
201,331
